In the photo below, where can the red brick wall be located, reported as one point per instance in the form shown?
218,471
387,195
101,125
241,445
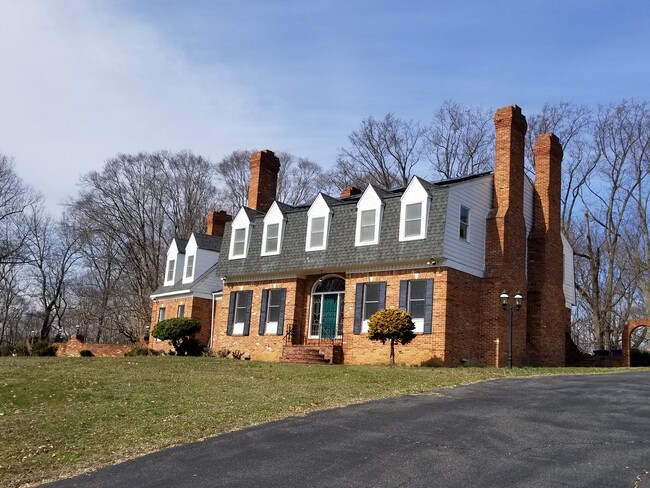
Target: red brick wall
197,308
547,317
267,347
74,346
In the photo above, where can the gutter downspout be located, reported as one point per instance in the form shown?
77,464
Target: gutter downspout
212,320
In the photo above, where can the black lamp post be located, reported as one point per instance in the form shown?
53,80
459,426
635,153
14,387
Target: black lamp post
507,304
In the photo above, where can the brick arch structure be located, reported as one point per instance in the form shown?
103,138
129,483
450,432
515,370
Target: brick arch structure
627,333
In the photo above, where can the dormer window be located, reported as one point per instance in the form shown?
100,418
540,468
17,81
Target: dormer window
464,223
318,225
414,212
273,228
369,211
171,265
189,269
413,220
240,236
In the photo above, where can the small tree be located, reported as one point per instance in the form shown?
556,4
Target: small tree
178,331
391,324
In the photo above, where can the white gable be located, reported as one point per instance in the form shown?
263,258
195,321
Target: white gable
318,222
176,261
369,214
273,231
240,235
414,202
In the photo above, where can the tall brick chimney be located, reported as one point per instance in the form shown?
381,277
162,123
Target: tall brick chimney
505,243
216,223
547,317
264,180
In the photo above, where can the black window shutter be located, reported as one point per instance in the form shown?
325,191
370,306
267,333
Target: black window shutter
248,296
231,312
428,307
265,299
283,297
403,291
358,309
382,295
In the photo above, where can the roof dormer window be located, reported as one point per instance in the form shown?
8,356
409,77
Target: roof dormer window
171,266
369,211
240,235
318,222
189,268
273,228
414,212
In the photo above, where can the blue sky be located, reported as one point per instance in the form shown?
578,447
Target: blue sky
81,80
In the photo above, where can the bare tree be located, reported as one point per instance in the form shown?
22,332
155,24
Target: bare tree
460,140
234,171
381,152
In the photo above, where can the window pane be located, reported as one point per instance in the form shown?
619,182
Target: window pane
272,230
372,293
190,266
239,242
367,228
417,298
370,309
464,222
416,309
240,308
161,314
413,219
418,289
273,307
315,315
170,269
317,232
370,299
181,311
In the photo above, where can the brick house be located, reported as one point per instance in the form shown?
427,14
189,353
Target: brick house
191,284
302,282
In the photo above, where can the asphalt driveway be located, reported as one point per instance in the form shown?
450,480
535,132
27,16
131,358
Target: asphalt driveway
537,432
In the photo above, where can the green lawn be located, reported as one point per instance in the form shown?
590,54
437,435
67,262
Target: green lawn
59,416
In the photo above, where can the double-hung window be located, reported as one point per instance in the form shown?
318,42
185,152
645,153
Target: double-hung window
161,314
189,269
413,219
370,298
272,238
318,222
272,313
239,313
171,264
416,298
181,310
317,232
239,242
367,226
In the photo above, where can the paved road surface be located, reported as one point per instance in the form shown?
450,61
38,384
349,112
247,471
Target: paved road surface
576,431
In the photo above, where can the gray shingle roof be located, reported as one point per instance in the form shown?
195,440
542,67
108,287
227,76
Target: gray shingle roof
208,242
341,251
180,286
181,244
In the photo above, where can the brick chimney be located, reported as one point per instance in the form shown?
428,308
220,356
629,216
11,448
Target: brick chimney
216,223
264,180
349,191
505,245
547,318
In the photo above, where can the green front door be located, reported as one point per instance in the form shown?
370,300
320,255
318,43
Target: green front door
328,320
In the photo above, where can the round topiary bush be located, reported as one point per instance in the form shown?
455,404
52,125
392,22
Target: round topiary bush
179,331
392,325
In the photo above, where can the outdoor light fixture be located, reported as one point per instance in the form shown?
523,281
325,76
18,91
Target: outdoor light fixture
507,304
431,262
224,279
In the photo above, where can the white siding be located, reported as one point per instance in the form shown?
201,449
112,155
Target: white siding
468,255
203,259
173,253
569,276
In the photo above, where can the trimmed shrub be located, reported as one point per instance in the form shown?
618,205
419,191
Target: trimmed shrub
86,353
178,330
237,354
43,348
392,325
222,353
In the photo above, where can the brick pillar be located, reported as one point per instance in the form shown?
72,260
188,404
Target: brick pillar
264,180
349,191
216,223
546,321
506,239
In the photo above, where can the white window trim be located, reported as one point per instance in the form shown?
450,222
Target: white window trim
241,221
172,268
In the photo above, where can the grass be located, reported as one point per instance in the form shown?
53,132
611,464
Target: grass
60,416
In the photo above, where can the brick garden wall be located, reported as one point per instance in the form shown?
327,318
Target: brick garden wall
74,346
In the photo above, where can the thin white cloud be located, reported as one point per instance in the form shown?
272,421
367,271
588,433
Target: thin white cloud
82,81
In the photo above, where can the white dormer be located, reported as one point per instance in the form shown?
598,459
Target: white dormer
273,231
414,212
199,257
240,235
318,224
369,214
174,266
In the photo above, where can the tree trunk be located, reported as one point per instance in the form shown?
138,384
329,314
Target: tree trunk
392,351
